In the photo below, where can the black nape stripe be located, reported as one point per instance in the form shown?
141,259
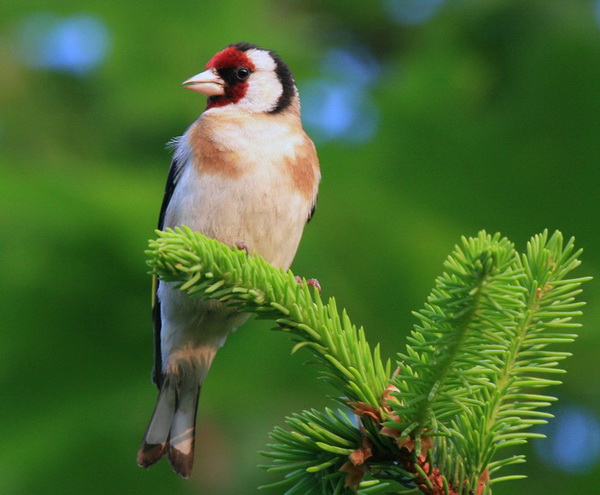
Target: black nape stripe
243,46
287,83
283,74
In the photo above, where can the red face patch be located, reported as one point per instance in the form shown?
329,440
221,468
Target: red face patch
230,57
233,94
225,62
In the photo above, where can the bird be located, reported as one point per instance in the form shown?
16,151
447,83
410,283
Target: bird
244,173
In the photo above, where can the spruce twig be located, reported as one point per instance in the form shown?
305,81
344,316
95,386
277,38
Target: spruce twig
466,387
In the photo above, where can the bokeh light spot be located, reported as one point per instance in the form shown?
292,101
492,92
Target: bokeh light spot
75,44
573,442
335,112
354,65
338,106
407,12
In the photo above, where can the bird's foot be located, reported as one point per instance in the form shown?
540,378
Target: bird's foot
242,246
311,282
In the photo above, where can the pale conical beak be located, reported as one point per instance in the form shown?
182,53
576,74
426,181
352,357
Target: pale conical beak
208,83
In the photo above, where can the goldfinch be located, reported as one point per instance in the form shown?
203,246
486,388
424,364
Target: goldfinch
244,173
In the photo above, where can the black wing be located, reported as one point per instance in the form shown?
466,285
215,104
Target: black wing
312,210
157,374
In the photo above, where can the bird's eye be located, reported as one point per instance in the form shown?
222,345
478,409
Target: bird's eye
242,73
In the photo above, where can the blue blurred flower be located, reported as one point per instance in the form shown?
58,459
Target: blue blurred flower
337,112
338,105
75,44
408,12
573,442
355,65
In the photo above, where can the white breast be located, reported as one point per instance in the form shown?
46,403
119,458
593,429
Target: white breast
259,206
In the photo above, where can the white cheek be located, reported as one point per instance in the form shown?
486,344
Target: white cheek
262,60
264,91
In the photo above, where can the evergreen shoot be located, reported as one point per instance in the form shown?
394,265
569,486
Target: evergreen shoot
468,385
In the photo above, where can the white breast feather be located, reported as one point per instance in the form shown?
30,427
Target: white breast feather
259,208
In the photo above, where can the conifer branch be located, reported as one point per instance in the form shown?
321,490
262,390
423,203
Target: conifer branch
511,406
435,379
204,266
466,387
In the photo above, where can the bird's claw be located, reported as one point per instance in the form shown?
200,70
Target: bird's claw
311,282
242,246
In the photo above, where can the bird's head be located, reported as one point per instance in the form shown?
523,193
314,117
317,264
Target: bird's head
248,78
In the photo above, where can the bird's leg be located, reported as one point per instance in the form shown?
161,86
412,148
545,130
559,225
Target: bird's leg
311,282
242,246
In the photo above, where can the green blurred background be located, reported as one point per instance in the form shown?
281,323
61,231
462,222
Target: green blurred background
433,119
